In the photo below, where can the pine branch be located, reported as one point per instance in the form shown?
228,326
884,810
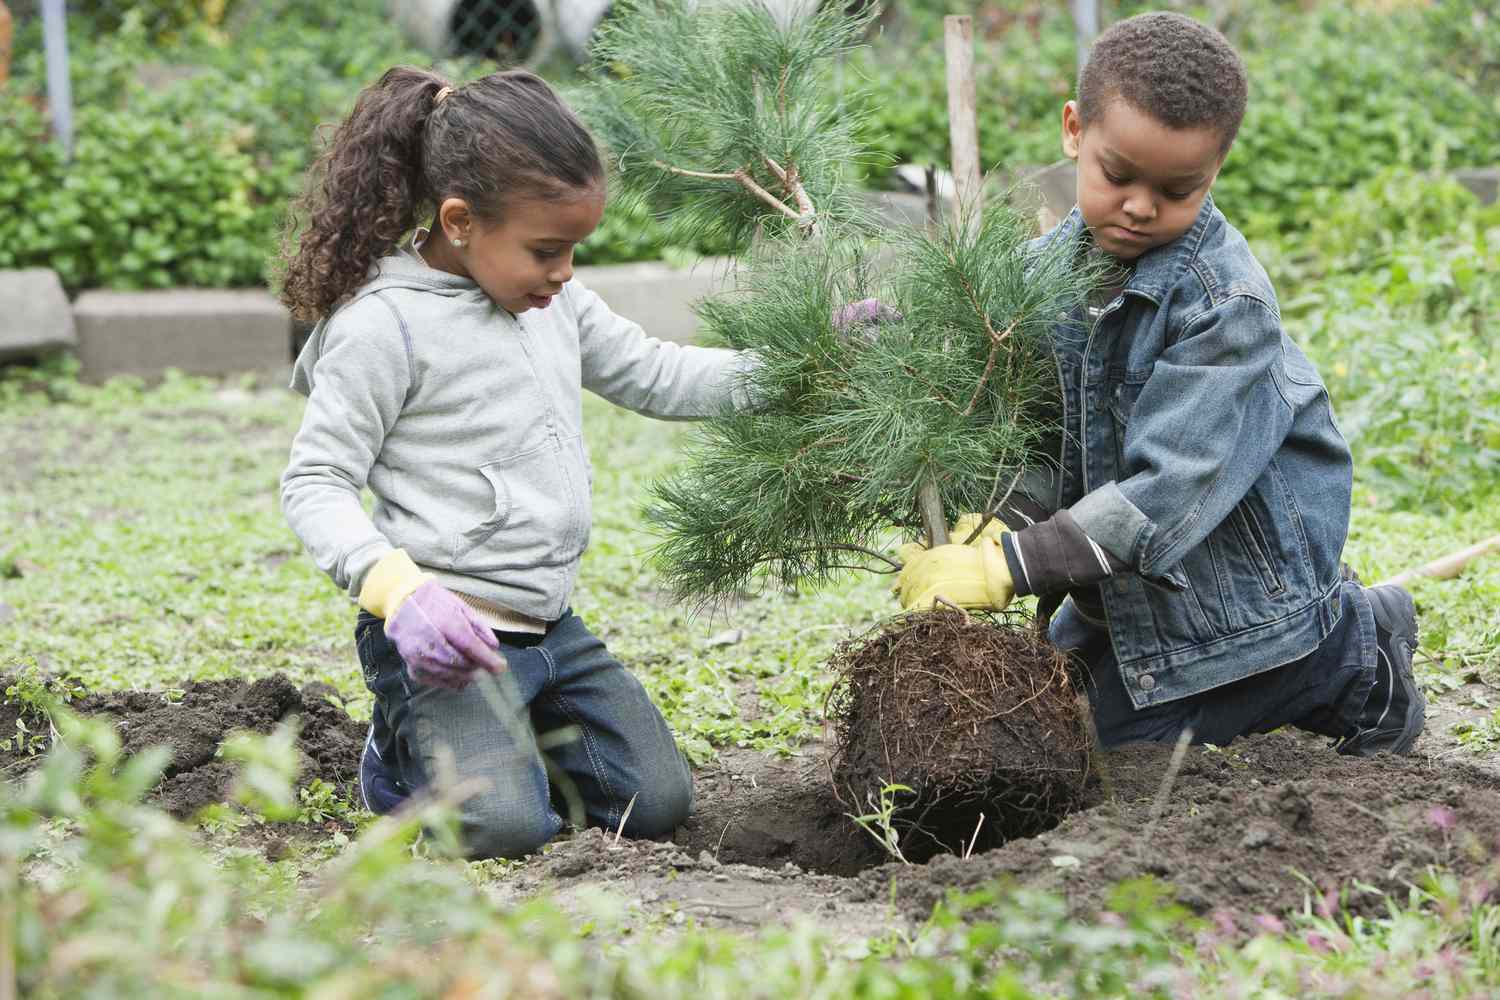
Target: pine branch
902,425
727,86
742,177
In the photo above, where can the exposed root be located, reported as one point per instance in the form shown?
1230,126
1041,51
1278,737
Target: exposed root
975,712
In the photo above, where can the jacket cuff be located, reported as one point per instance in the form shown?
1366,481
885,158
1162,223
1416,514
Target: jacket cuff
1108,517
1056,555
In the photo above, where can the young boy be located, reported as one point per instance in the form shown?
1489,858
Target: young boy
1201,500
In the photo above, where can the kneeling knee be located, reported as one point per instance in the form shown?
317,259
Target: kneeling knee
662,808
501,834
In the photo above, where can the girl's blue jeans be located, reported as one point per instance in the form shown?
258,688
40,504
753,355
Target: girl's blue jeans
604,740
1322,692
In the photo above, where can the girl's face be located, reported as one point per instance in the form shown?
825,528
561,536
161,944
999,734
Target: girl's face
1140,183
525,259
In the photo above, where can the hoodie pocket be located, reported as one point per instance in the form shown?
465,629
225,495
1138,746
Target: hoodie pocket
537,514
500,508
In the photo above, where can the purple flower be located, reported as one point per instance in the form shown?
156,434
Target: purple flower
1269,924
1442,817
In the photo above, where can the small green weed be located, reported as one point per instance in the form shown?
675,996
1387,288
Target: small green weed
878,822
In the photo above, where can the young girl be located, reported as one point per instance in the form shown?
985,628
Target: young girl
445,374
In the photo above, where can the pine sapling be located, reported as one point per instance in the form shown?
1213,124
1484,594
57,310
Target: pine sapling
939,403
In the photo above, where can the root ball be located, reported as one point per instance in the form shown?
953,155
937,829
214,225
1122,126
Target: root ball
974,713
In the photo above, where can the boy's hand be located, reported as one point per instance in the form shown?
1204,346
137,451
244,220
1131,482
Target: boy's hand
970,576
964,527
439,638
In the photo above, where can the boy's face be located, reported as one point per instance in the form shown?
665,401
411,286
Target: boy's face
1140,183
525,259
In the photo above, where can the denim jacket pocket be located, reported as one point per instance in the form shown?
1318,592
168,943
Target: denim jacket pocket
1253,538
1120,400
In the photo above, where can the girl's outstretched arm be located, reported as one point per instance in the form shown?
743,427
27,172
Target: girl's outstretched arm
658,378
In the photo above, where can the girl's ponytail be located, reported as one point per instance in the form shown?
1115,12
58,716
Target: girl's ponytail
362,195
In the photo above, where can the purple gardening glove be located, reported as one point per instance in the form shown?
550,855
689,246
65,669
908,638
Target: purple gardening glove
441,639
857,321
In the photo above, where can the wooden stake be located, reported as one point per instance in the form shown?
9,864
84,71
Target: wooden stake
963,122
1448,566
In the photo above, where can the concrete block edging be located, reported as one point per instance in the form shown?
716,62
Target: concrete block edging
225,331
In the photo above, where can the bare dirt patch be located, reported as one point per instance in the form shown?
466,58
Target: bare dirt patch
1245,829
194,720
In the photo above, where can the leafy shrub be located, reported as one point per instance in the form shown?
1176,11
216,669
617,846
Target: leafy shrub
1022,80
147,202
1335,97
162,19
1400,317
1337,94
188,184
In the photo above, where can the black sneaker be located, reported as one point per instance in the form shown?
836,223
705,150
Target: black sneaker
1396,711
380,784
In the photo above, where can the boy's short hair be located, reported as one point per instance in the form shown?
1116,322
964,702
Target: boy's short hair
1182,73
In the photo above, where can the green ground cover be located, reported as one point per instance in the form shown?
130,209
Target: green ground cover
149,549
141,545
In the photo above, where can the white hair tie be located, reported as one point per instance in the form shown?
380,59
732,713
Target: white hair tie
441,96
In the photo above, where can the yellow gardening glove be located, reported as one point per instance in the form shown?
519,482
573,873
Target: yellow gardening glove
389,582
970,576
964,527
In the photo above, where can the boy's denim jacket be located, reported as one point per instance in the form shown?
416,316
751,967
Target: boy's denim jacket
1199,449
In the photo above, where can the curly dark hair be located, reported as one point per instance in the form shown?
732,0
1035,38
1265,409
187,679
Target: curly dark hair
401,152
1182,73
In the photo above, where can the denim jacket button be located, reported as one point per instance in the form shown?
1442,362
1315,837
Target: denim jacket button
1147,682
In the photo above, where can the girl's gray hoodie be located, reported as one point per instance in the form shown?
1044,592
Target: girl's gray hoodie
466,424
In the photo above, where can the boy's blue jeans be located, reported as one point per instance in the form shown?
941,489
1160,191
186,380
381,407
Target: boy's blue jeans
621,749
1323,692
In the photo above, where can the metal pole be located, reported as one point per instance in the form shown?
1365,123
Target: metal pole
59,86
1085,27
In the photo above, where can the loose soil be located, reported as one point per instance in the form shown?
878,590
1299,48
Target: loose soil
1243,829
194,719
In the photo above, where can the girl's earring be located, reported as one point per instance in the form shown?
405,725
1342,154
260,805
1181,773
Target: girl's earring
460,243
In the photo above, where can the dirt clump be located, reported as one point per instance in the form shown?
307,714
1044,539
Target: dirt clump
976,714
194,719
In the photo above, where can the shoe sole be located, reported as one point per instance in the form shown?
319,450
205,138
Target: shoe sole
369,749
1394,607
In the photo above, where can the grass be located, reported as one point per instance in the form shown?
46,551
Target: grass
146,547
149,548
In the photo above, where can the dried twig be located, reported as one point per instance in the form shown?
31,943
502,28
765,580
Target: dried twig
989,365
743,178
1448,566
974,839
623,817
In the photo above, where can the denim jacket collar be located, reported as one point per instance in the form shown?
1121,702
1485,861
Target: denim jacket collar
1158,269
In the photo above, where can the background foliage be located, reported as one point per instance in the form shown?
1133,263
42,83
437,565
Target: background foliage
196,118
1388,275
